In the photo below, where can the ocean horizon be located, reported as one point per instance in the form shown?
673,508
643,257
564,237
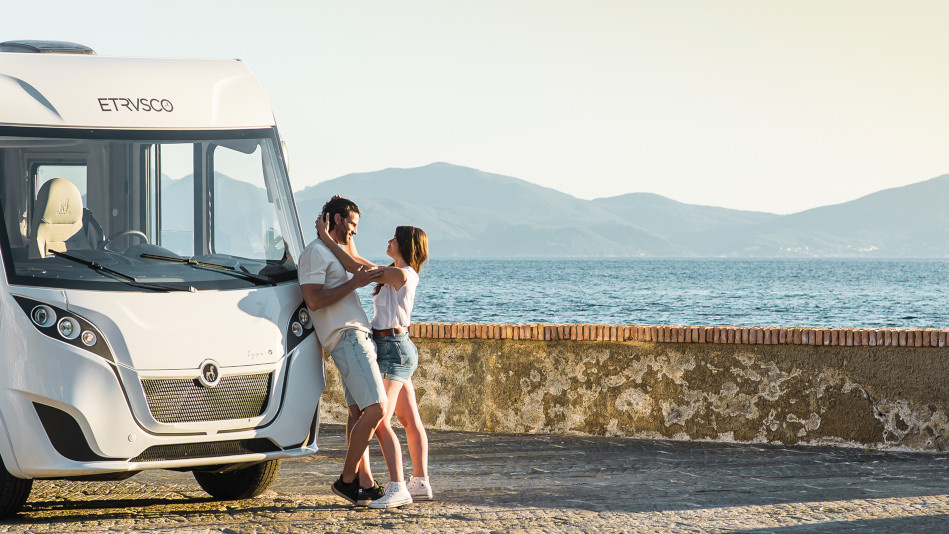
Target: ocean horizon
818,292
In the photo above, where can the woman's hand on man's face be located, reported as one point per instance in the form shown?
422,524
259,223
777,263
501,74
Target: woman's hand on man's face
322,225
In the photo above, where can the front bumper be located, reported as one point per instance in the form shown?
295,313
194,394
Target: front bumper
89,416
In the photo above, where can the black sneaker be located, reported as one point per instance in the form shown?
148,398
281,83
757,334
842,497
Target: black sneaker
367,495
350,492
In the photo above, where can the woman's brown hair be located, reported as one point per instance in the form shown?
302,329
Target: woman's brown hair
413,246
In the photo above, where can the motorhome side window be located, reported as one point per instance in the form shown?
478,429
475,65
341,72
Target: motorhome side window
200,212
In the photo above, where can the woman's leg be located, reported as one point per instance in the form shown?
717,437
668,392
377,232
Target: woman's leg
388,441
406,409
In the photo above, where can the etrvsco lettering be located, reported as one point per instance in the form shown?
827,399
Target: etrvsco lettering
136,104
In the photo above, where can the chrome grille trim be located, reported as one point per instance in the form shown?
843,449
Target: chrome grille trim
185,400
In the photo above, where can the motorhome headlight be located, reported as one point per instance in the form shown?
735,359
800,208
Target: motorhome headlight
304,317
68,328
43,316
88,338
299,327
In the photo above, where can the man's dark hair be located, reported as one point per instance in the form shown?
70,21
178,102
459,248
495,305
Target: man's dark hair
341,206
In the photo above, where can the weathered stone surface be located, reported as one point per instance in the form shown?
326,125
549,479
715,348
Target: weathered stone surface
790,394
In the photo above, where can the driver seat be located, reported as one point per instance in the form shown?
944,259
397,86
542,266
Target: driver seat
57,217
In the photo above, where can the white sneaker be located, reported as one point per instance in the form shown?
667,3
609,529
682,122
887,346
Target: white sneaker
419,488
396,495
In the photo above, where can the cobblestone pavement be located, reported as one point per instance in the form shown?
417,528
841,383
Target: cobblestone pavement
528,483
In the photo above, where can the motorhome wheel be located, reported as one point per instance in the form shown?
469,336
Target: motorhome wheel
244,483
13,492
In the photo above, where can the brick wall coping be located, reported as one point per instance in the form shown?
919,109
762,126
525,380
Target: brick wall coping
741,335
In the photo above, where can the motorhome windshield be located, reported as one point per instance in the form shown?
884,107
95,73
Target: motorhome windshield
145,211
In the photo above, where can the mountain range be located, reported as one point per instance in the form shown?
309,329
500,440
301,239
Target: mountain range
471,213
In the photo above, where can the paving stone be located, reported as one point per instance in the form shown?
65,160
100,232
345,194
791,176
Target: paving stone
488,483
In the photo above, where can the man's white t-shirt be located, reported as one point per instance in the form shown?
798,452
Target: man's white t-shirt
319,266
393,309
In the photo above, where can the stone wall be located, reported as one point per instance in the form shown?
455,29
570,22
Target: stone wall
871,388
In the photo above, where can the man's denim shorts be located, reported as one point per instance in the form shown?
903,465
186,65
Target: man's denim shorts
397,355
355,358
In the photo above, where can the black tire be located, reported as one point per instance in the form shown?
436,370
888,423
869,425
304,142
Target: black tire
244,483
13,492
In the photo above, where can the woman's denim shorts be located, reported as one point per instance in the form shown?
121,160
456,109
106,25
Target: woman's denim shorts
397,356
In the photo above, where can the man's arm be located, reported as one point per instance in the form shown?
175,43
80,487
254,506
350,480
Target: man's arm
317,296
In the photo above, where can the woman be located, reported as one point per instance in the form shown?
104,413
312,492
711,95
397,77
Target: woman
392,304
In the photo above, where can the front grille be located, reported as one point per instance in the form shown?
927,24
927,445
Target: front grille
185,400
206,450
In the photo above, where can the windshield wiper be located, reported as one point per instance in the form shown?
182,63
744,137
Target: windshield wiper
131,280
226,269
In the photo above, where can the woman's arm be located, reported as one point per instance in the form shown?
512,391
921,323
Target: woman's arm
352,261
350,249
344,256
393,276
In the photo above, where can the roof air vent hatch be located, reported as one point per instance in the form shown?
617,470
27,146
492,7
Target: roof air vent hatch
46,47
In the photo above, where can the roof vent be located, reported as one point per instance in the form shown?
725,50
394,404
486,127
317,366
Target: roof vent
46,47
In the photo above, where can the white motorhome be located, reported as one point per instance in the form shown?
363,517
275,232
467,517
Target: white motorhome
150,316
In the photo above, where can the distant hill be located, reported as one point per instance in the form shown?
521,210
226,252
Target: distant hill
470,213
693,227
667,217
903,222
908,221
467,212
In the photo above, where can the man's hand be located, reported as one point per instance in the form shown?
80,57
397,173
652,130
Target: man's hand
317,296
366,275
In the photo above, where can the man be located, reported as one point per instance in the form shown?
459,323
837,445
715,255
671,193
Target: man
343,330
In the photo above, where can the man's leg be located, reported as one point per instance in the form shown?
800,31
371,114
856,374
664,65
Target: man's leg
364,469
359,439
355,357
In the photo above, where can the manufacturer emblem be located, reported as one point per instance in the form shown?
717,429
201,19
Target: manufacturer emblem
210,374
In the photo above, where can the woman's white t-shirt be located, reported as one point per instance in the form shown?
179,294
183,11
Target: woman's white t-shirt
392,308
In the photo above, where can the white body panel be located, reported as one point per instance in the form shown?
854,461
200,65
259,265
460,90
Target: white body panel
110,92
164,331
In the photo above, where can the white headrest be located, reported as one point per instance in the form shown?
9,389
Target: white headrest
60,202
58,217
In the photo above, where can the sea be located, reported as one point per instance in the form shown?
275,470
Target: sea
854,293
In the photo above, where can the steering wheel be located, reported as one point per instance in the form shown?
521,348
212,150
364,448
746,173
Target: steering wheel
113,237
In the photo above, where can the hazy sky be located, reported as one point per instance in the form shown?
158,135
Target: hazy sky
775,106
